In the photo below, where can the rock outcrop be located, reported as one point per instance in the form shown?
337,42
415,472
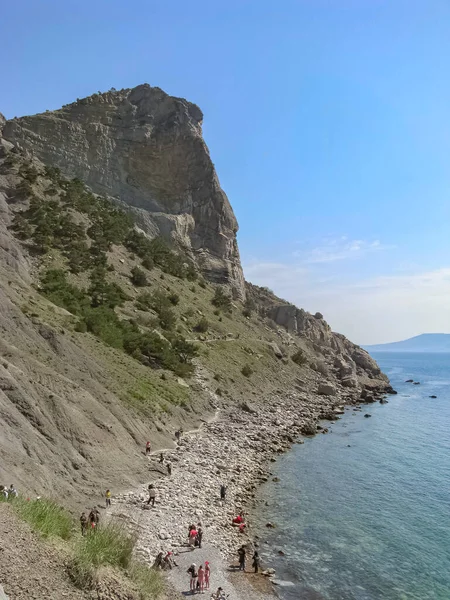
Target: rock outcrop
145,149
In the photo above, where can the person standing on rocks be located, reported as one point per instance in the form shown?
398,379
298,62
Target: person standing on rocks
161,458
256,561
169,468
207,574
193,573
108,498
223,492
241,554
148,448
199,537
151,495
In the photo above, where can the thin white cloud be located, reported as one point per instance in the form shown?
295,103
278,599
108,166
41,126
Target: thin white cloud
341,248
370,311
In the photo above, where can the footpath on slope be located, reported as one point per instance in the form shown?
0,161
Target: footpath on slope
234,450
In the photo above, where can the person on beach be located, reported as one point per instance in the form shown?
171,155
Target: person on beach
151,495
223,492
193,573
256,561
239,519
241,554
169,468
201,579
219,595
199,537
108,498
207,574
148,448
83,523
192,538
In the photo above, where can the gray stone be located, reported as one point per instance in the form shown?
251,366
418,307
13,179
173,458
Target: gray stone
326,389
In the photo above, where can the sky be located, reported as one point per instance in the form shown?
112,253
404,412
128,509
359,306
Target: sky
328,122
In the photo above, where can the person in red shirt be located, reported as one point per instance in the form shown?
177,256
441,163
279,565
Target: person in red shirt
148,448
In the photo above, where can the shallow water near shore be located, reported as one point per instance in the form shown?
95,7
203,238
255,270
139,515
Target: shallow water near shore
362,513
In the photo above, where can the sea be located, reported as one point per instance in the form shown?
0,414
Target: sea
363,512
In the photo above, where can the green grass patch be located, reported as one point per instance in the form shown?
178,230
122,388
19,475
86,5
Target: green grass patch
109,545
149,582
45,517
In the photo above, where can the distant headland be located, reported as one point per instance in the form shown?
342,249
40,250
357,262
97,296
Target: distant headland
427,342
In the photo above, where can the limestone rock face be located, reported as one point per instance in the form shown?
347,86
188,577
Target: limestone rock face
144,148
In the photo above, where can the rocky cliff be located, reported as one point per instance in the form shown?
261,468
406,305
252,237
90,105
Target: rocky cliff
144,148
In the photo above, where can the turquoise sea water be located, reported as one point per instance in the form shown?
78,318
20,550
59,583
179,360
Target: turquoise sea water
363,513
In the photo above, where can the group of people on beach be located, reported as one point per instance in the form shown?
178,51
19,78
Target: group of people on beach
242,555
199,578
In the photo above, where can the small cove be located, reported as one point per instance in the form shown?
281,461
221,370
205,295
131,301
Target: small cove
362,513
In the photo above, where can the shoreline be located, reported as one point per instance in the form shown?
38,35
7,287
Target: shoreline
235,448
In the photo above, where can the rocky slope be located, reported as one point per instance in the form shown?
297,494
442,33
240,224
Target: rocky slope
144,148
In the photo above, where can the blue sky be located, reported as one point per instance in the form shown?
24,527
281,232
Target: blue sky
328,123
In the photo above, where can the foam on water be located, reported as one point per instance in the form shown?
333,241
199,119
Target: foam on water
369,521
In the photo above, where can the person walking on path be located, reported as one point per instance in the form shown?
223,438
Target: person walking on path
148,448
108,498
193,573
92,520
241,553
151,495
256,561
201,579
207,574
83,523
223,492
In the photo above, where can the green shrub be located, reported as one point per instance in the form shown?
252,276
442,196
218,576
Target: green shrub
221,300
104,293
167,318
299,358
249,307
56,288
202,326
246,371
148,262
45,517
173,298
138,277
108,545
149,581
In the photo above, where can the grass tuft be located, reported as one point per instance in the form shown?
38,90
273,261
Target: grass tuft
148,581
45,517
109,545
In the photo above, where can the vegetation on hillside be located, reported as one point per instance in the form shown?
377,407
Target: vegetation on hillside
84,227
110,545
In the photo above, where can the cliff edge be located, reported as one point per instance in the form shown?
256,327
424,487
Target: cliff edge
145,149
